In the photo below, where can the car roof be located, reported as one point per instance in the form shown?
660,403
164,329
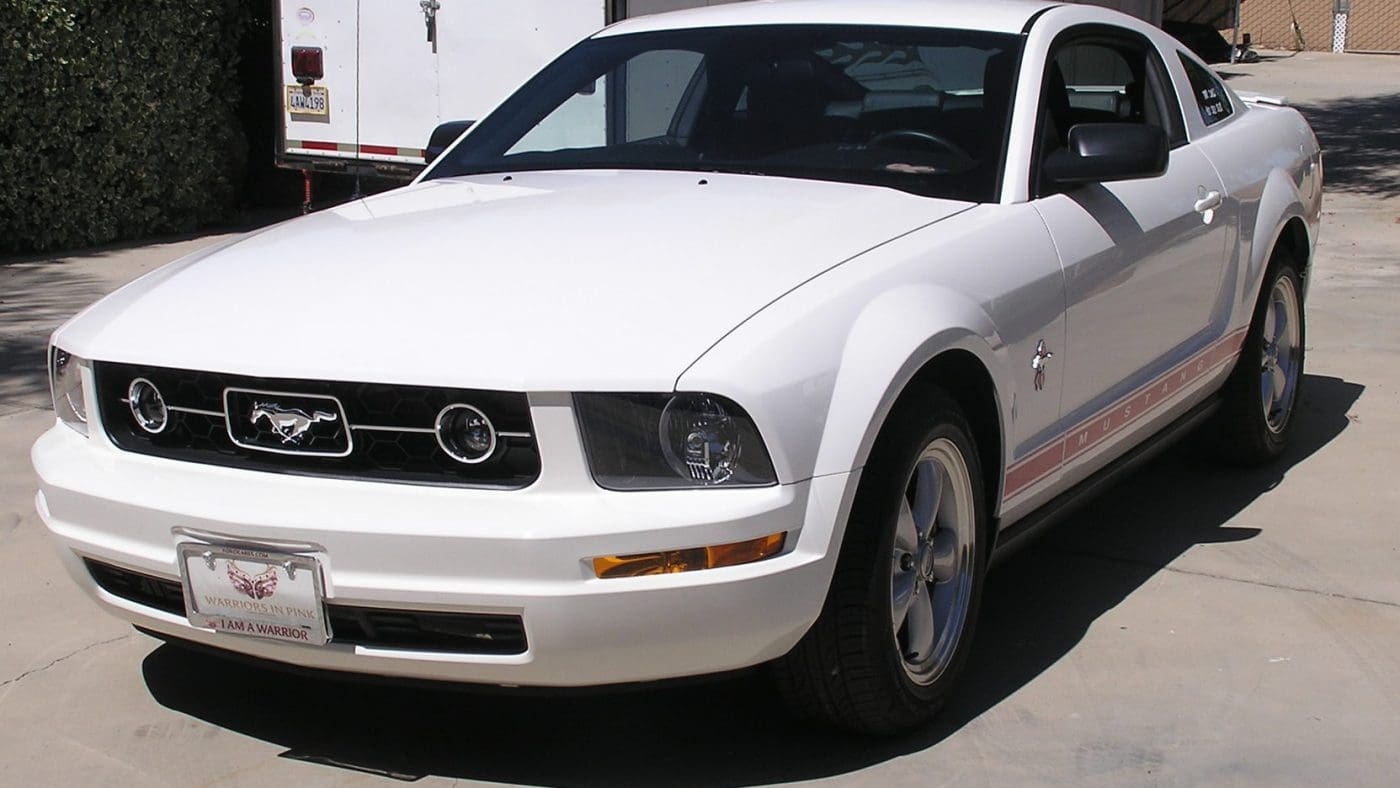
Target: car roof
1000,16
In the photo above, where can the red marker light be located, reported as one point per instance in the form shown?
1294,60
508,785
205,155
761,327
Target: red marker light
307,65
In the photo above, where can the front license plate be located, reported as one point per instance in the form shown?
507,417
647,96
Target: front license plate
257,593
309,103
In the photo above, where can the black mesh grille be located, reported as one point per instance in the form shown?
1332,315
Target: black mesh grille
391,427
457,633
142,589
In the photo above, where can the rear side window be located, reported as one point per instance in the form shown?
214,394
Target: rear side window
1210,95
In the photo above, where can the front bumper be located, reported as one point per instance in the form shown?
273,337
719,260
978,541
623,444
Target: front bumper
524,553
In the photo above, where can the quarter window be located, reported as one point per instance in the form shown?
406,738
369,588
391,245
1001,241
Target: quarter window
1211,98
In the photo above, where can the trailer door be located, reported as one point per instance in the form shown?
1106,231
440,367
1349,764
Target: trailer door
488,48
399,95
319,115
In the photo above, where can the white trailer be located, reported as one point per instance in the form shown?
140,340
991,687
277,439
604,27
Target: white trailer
365,82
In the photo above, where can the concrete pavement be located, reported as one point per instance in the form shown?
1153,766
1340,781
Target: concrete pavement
1197,624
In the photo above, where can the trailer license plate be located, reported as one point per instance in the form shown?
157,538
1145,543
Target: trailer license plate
260,593
309,103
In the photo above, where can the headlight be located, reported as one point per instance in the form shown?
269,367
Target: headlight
664,441
66,384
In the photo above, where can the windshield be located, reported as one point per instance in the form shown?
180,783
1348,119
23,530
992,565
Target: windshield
921,110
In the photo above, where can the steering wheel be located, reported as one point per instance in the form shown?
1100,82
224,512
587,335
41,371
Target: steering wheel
924,138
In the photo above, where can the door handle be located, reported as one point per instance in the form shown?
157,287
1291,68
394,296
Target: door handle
1209,202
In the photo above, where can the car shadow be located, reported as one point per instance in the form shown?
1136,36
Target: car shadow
1360,139
734,732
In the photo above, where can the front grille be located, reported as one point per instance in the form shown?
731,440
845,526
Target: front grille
456,633
386,432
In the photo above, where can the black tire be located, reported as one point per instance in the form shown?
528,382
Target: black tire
850,669
1242,432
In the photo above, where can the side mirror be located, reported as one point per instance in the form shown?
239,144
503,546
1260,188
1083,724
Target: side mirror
1104,152
443,137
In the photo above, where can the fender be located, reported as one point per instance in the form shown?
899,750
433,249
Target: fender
1280,203
831,400
819,368
1270,162
875,353
886,349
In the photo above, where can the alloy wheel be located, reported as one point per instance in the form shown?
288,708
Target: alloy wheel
933,563
1278,380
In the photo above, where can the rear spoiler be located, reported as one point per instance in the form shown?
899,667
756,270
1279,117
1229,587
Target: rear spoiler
1260,98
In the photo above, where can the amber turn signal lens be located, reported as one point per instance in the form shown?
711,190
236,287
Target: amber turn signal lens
673,562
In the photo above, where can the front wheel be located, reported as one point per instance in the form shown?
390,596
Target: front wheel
897,624
1261,394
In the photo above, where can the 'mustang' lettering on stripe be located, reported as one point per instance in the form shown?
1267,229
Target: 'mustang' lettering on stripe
1102,425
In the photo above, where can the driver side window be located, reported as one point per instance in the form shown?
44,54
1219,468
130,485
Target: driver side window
1104,79
1095,83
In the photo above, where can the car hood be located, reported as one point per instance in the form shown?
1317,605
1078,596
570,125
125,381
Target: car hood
532,282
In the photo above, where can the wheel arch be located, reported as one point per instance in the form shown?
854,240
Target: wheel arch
951,341
1281,223
1294,238
963,375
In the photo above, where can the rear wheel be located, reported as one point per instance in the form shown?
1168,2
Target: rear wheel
897,624
1260,397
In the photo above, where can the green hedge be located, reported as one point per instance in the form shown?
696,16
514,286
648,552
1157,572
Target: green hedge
117,119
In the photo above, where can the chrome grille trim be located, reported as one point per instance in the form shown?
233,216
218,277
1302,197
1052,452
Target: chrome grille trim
394,439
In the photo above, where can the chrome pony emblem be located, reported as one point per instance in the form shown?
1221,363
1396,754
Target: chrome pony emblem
290,424
1039,363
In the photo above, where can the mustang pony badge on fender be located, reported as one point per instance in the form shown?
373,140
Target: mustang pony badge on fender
1039,363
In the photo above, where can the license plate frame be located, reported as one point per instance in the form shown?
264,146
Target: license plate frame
223,596
309,103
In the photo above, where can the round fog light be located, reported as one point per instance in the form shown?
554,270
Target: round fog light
147,406
466,434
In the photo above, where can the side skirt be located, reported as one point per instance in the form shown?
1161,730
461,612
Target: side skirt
1032,525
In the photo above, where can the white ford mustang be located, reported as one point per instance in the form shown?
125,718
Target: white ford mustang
736,336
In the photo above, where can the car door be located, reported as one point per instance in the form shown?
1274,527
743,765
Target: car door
1144,259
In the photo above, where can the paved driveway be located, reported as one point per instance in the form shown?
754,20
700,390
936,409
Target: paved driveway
1194,625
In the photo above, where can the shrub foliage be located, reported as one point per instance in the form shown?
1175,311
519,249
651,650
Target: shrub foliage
117,118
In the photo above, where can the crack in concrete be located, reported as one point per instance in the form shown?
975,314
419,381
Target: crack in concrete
1118,559
63,658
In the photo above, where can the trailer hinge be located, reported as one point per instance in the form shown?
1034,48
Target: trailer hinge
430,9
